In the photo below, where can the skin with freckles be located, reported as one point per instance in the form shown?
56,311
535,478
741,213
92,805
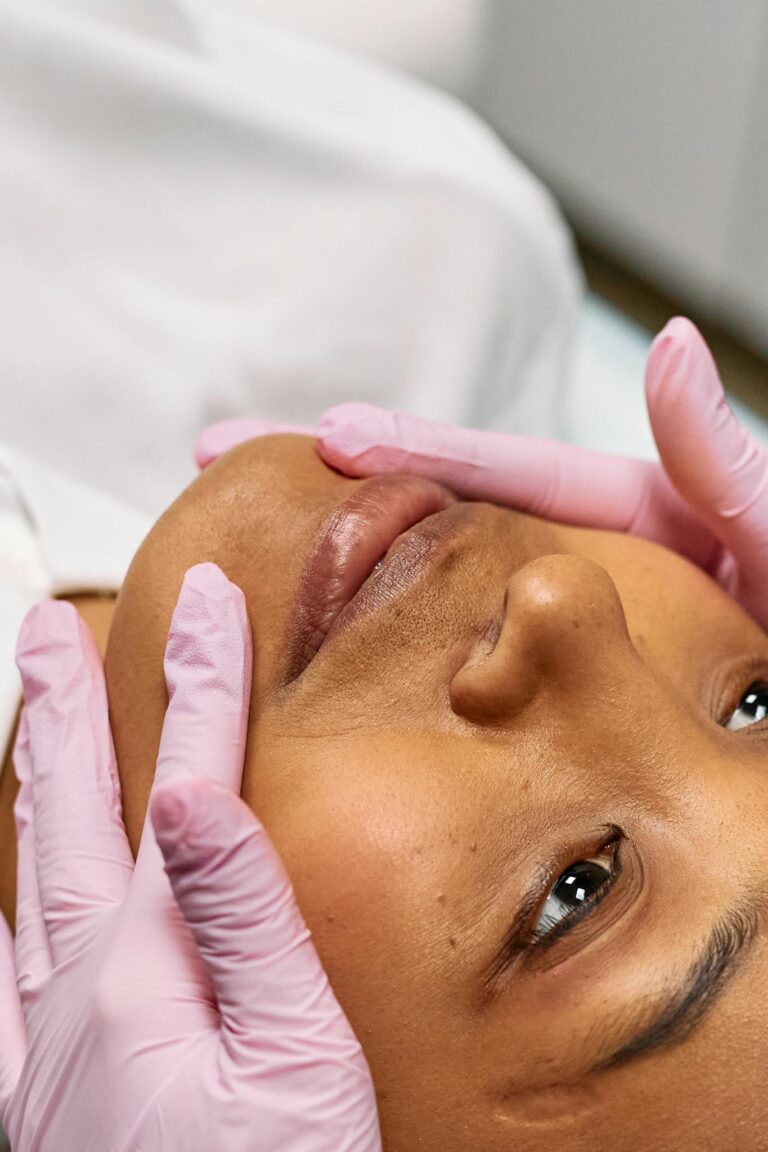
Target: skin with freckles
539,698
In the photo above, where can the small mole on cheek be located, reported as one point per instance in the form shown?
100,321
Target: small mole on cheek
452,941
330,919
441,898
473,847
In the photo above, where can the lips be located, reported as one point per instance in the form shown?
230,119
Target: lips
359,534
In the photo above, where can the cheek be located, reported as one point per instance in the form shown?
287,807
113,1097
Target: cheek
370,876
357,861
368,851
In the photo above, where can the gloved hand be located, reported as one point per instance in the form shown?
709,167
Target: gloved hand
708,500
144,1022
217,439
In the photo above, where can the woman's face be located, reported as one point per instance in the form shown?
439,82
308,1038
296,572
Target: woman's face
534,860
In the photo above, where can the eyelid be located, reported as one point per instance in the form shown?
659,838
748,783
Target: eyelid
519,946
730,684
569,922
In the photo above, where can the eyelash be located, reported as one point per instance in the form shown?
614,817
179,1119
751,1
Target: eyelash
755,674
542,942
737,687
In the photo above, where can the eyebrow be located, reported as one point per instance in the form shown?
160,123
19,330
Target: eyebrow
684,1008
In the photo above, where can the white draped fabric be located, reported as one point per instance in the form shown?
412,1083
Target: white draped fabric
205,215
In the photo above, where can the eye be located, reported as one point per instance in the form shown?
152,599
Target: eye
577,890
751,709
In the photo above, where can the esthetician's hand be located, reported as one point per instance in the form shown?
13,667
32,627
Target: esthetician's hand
707,500
217,439
178,1003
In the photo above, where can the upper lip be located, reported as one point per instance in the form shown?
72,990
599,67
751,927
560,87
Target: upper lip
359,533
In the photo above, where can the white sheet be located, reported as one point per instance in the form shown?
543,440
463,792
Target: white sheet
204,216
57,536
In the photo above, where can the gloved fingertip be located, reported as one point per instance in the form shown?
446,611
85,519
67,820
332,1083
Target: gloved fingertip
208,580
169,809
50,634
212,441
48,621
219,438
348,433
193,816
664,356
209,608
208,652
348,414
679,364
680,329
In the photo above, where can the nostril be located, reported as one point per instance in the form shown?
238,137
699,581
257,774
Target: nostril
487,689
563,624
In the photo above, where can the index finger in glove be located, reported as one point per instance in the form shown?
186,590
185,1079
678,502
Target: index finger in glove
208,665
279,1014
557,481
217,439
714,462
208,675
84,862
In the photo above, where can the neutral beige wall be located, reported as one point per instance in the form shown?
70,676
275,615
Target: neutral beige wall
746,267
649,121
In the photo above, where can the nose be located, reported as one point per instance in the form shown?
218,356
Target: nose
563,626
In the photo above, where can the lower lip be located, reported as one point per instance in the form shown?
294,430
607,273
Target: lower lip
351,542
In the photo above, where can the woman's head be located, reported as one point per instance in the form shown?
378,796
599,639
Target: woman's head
507,708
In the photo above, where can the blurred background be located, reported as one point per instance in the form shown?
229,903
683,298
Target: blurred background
648,122
650,125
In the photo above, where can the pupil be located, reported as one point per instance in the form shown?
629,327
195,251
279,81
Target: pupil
579,882
756,702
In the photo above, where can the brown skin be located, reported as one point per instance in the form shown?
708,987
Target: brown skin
538,686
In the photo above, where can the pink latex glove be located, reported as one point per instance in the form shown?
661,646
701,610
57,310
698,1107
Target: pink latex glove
144,1022
708,500
217,439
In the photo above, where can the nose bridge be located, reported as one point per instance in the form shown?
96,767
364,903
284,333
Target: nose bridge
564,627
